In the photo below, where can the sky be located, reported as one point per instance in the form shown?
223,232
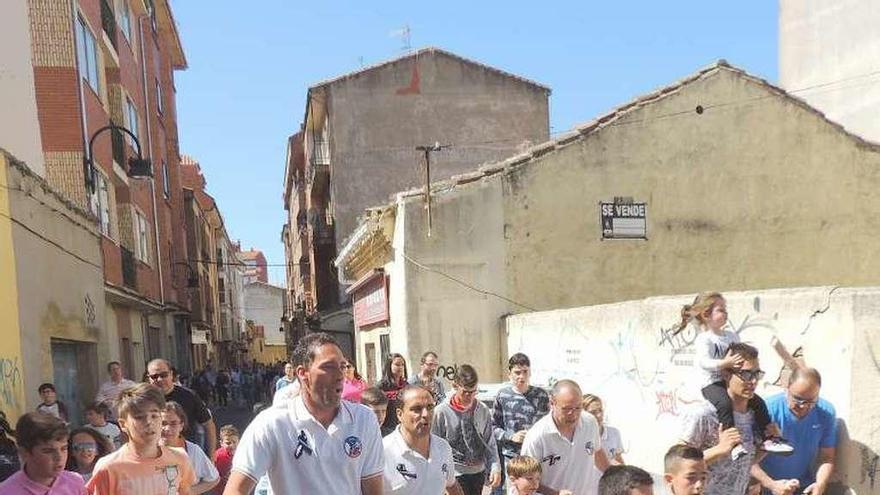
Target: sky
251,63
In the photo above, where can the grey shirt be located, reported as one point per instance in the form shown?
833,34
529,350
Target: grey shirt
470,434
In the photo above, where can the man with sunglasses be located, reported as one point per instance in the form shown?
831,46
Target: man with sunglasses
810,424
702,429
159,373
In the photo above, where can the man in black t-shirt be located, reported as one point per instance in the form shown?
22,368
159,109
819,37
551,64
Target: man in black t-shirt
159,374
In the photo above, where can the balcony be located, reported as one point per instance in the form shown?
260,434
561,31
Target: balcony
118,141
322,233
318,173
108,22
129,269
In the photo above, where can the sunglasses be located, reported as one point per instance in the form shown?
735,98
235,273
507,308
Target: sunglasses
800,401
82,447
750,375
157,376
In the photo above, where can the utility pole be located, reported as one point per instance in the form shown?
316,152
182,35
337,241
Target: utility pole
427,150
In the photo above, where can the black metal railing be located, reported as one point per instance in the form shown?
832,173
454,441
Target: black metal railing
108,21
129,269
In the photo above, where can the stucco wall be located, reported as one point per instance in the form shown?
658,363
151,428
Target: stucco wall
264,305
756,192
625,353
830,53
60,282
19,127
467,243
374,129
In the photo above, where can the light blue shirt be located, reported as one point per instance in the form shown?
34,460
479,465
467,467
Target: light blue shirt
816,430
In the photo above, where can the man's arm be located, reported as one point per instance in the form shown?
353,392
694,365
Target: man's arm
776,487
454,489
210,436
601,460
239,484
372,485
727,439
825,470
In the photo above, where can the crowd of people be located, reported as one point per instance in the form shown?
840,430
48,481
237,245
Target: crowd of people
325,430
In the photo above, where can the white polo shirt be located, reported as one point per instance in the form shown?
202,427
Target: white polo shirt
301,456
565,465
408,473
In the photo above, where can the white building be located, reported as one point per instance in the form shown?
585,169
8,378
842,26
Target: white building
829,55
264,306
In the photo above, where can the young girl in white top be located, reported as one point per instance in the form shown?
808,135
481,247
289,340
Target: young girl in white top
173,426
709,313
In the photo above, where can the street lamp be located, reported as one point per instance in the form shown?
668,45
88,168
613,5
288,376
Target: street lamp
138,168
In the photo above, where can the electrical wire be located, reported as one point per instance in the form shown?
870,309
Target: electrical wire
465,284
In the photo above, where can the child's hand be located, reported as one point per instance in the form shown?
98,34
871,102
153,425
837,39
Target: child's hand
772,431
732,361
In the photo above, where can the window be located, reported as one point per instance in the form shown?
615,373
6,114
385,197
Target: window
125,20
159,97
166,181
142,237
87,54
131,120
101,202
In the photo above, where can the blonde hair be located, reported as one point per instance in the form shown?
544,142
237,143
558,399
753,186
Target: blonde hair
589,399
523,466
229,431
699,309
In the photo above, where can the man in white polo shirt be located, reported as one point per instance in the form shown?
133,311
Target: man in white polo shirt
417,462
567,444
316,443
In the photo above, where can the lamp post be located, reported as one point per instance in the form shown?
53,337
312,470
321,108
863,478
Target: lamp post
138,168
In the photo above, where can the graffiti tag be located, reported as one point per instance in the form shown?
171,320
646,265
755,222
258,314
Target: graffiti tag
10,381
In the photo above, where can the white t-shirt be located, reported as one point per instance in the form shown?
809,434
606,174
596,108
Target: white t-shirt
612,444
111,432
301,456
408,473
699,428
565,465
203,467
710,348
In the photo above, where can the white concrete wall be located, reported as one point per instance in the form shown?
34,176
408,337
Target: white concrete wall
435,313
624,353
264,305
833,48
19,127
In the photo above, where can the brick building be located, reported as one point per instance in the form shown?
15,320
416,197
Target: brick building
112,62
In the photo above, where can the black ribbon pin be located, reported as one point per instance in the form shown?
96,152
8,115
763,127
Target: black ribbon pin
302,445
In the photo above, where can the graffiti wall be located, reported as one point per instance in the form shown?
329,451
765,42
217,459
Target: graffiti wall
636,358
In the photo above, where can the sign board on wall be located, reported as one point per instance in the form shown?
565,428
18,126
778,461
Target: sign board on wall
370,300
624,219
199,336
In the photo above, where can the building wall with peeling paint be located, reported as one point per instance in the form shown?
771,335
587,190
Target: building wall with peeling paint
757,191
627,354
58,279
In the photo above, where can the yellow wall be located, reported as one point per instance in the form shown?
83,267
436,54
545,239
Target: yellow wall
12,397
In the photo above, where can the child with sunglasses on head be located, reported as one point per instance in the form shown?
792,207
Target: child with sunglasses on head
85,447
709,313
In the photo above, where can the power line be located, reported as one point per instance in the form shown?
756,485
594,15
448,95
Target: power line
465,284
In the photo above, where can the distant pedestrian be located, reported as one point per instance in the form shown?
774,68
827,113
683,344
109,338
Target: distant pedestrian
567,442
173,425
518,406
142,465
51,404
42,448
417,462
394,378
96,419
353,384
685,470
427,376
109,391
376,400
287,379
85,447
466,424
317,443
221,389
229,438
626,480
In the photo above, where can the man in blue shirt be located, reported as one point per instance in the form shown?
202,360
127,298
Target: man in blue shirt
810,425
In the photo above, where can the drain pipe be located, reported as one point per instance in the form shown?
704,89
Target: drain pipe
150,148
